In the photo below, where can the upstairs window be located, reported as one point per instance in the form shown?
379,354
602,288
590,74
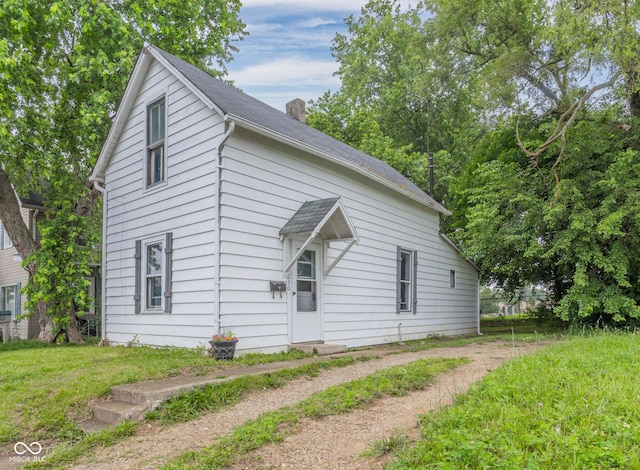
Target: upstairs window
452,279
156,124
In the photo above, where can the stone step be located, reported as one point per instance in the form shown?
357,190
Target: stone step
320,349
115,412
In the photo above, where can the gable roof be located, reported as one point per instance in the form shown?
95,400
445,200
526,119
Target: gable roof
250,113
327,217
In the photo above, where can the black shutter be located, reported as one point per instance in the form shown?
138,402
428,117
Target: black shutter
168,269
138,275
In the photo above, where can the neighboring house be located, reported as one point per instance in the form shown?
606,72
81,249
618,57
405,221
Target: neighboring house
222,213
13,277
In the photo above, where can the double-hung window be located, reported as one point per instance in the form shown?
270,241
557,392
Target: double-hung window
156,124
10,300
407,264
153,274
5,240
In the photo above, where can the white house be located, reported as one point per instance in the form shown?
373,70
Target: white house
222,213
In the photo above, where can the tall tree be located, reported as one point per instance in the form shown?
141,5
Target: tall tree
400,97
550,56
64,66
537,104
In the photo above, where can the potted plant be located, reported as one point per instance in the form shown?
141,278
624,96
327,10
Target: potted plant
223,345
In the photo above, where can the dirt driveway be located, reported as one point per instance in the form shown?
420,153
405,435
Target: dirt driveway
335,442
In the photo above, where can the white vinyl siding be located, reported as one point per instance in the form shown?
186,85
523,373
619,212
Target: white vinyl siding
182,206
263,183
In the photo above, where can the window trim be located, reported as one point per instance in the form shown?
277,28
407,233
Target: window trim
452,278
152,147
412,289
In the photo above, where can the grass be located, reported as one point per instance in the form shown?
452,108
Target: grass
571,405
46,389
214,397
188,406
274,426
392,444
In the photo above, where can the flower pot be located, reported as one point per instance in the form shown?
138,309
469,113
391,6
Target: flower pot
223,350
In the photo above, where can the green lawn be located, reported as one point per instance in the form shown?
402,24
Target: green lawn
572,405
47,389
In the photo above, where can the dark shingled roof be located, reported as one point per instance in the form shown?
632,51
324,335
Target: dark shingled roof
308,216
236,103
32,200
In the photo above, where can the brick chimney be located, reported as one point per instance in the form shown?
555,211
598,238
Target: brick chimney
296,109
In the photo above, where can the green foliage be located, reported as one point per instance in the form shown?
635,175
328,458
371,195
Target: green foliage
392,444
572,236
64,456
60,280
399,100
451,76
64,66
571,405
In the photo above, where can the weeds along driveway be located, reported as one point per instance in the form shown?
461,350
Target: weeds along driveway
331,442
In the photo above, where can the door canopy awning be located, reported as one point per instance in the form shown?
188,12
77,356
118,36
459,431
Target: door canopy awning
326,218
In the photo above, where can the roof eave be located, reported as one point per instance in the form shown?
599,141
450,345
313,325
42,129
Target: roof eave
122,114
332,158
147,55
457,248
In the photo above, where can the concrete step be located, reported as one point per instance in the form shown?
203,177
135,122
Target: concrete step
320,349
115,412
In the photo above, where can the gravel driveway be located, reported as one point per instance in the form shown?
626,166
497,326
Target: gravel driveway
334,442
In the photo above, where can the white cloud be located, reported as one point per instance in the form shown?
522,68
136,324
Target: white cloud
296,71
315,22
318,5
288,51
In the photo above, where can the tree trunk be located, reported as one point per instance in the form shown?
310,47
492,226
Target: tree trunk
12,219
73,332
48,332
25,245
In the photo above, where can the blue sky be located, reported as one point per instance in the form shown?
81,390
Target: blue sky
287,54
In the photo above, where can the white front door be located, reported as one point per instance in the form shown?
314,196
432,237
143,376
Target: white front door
306,324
